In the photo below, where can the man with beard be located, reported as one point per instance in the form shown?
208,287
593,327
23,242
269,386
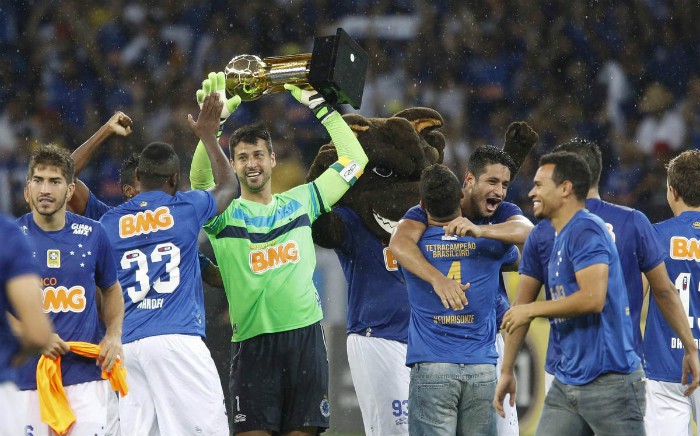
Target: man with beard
484,215
263,243
75,257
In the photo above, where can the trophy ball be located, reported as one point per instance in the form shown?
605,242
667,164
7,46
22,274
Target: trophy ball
245,77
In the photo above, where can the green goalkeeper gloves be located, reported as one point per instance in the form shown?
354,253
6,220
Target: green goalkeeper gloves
312,99
216,82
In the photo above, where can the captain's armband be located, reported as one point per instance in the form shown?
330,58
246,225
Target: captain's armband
348,169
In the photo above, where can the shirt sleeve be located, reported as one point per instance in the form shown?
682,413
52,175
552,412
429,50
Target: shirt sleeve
650,253
106,272
416,213
95,208
531,261
17,257
589,247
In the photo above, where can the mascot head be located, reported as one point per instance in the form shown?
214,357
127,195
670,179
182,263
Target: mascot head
398,148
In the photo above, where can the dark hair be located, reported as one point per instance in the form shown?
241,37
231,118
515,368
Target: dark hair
589,151
157,162
54,156
571,167
488,155
440,190
250,134
683,173
127,171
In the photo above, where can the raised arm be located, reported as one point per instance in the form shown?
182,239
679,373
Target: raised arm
201,175
119,124
206,128
336,180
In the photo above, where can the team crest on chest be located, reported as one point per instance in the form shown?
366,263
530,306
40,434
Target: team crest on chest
53,258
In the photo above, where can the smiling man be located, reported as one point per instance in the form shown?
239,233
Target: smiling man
599,384
265,251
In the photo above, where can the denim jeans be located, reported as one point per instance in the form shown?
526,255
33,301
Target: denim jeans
612,404
447,399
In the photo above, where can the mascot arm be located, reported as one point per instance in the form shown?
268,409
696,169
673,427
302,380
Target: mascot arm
328,230
336,180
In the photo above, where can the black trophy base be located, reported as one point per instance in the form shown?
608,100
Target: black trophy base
338,68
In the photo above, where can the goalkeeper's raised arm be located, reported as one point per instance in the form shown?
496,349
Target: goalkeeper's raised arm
351,157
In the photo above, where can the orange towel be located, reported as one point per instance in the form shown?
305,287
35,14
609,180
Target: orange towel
53,403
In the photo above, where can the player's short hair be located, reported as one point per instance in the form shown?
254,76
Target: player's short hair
127,171
440,191
569,166
157,162
54,156
683,175
488,155
250,135
589,151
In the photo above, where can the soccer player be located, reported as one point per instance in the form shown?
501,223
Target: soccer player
452,353
19,293
671,406
599,381
75,257
263,242
85,203
485,214
639,254
174,385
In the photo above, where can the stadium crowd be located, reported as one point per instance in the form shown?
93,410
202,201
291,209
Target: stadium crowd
608,71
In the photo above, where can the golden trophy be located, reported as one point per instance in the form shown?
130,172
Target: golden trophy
336,69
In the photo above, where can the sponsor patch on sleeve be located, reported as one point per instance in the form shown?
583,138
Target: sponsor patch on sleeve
348,169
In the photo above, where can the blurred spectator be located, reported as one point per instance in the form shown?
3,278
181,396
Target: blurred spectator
662,128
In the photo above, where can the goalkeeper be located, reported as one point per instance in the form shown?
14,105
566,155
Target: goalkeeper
265,251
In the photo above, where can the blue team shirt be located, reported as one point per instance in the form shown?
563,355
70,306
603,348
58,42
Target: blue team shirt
595,343
154,236
504,211
663,351
94,209
636,245
377,298
15,260
467,336
72,262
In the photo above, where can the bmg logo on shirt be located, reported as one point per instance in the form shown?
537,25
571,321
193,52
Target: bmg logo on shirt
684,248
145,222
273,257
61,299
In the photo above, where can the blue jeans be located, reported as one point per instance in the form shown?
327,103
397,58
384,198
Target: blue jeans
612,404
447,399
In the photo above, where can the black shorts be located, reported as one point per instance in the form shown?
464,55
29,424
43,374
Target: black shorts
279,381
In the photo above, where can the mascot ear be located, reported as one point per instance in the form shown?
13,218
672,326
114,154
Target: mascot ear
518,141
427,123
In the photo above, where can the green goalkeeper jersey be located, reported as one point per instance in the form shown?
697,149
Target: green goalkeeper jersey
266,252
